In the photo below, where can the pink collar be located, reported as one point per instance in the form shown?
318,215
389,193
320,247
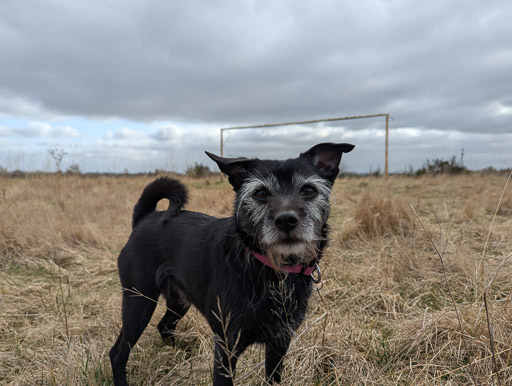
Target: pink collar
285,268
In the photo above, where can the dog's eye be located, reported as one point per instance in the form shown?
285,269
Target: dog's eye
260,194
308,191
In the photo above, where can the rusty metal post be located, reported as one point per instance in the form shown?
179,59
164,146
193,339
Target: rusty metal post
222,142
386,166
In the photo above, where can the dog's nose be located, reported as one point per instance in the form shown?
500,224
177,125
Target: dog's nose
286,221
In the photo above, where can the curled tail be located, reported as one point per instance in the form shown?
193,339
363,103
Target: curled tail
162,187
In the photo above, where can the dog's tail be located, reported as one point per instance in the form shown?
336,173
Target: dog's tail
162,187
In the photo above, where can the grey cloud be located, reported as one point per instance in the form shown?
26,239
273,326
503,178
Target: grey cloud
125,133
167,133
39,129
438,65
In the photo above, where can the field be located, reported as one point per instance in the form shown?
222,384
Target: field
384,315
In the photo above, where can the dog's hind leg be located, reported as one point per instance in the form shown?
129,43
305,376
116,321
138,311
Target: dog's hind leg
136,314
177,307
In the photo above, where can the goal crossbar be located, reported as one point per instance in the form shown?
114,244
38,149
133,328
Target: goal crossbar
222,130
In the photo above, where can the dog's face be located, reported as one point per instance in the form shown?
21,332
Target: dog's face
283,206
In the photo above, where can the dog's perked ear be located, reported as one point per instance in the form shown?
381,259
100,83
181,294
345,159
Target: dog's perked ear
235,168
326,157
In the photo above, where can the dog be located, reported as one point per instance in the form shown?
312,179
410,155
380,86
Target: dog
250,275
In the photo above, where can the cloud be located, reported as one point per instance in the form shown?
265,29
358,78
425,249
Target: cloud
436,65
16,105
499,109
40,130
126,133
167,133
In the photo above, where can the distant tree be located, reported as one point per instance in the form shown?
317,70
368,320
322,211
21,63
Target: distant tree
74,169
57,155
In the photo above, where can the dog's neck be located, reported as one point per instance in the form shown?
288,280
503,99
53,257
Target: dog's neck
302,269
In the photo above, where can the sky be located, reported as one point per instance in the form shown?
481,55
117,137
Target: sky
126,85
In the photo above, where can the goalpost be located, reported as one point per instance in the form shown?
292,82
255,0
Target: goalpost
386,168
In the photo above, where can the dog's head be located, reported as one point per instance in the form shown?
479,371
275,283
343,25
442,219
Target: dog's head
282,207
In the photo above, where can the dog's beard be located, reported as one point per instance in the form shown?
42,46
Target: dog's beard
297,247
294,253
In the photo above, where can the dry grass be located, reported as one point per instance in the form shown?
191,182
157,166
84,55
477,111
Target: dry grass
384,315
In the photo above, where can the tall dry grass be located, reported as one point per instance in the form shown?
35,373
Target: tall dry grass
383,316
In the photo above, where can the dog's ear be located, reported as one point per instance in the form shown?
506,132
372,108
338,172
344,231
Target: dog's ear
326,157
235,168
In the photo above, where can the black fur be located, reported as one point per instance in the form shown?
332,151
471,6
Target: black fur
193,258
162,187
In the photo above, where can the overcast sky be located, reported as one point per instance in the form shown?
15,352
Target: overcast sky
139,85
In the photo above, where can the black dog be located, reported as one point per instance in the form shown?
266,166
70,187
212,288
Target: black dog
250,274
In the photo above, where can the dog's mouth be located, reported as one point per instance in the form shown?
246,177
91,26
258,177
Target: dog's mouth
291,241
291,251
295,245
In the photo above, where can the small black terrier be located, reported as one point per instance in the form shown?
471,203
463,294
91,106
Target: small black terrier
250,275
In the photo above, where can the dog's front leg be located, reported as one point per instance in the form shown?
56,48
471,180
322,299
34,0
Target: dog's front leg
274,354
225,359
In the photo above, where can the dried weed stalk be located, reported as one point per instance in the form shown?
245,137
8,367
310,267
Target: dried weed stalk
470,367
480,269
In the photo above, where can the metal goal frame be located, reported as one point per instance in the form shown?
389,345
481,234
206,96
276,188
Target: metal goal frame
261,126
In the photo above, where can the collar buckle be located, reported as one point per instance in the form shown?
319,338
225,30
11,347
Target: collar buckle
317,279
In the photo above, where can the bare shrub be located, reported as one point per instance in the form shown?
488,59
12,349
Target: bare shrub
440,166
198,170
377,216
74,168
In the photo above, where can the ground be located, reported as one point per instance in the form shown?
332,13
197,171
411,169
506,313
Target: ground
383,316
